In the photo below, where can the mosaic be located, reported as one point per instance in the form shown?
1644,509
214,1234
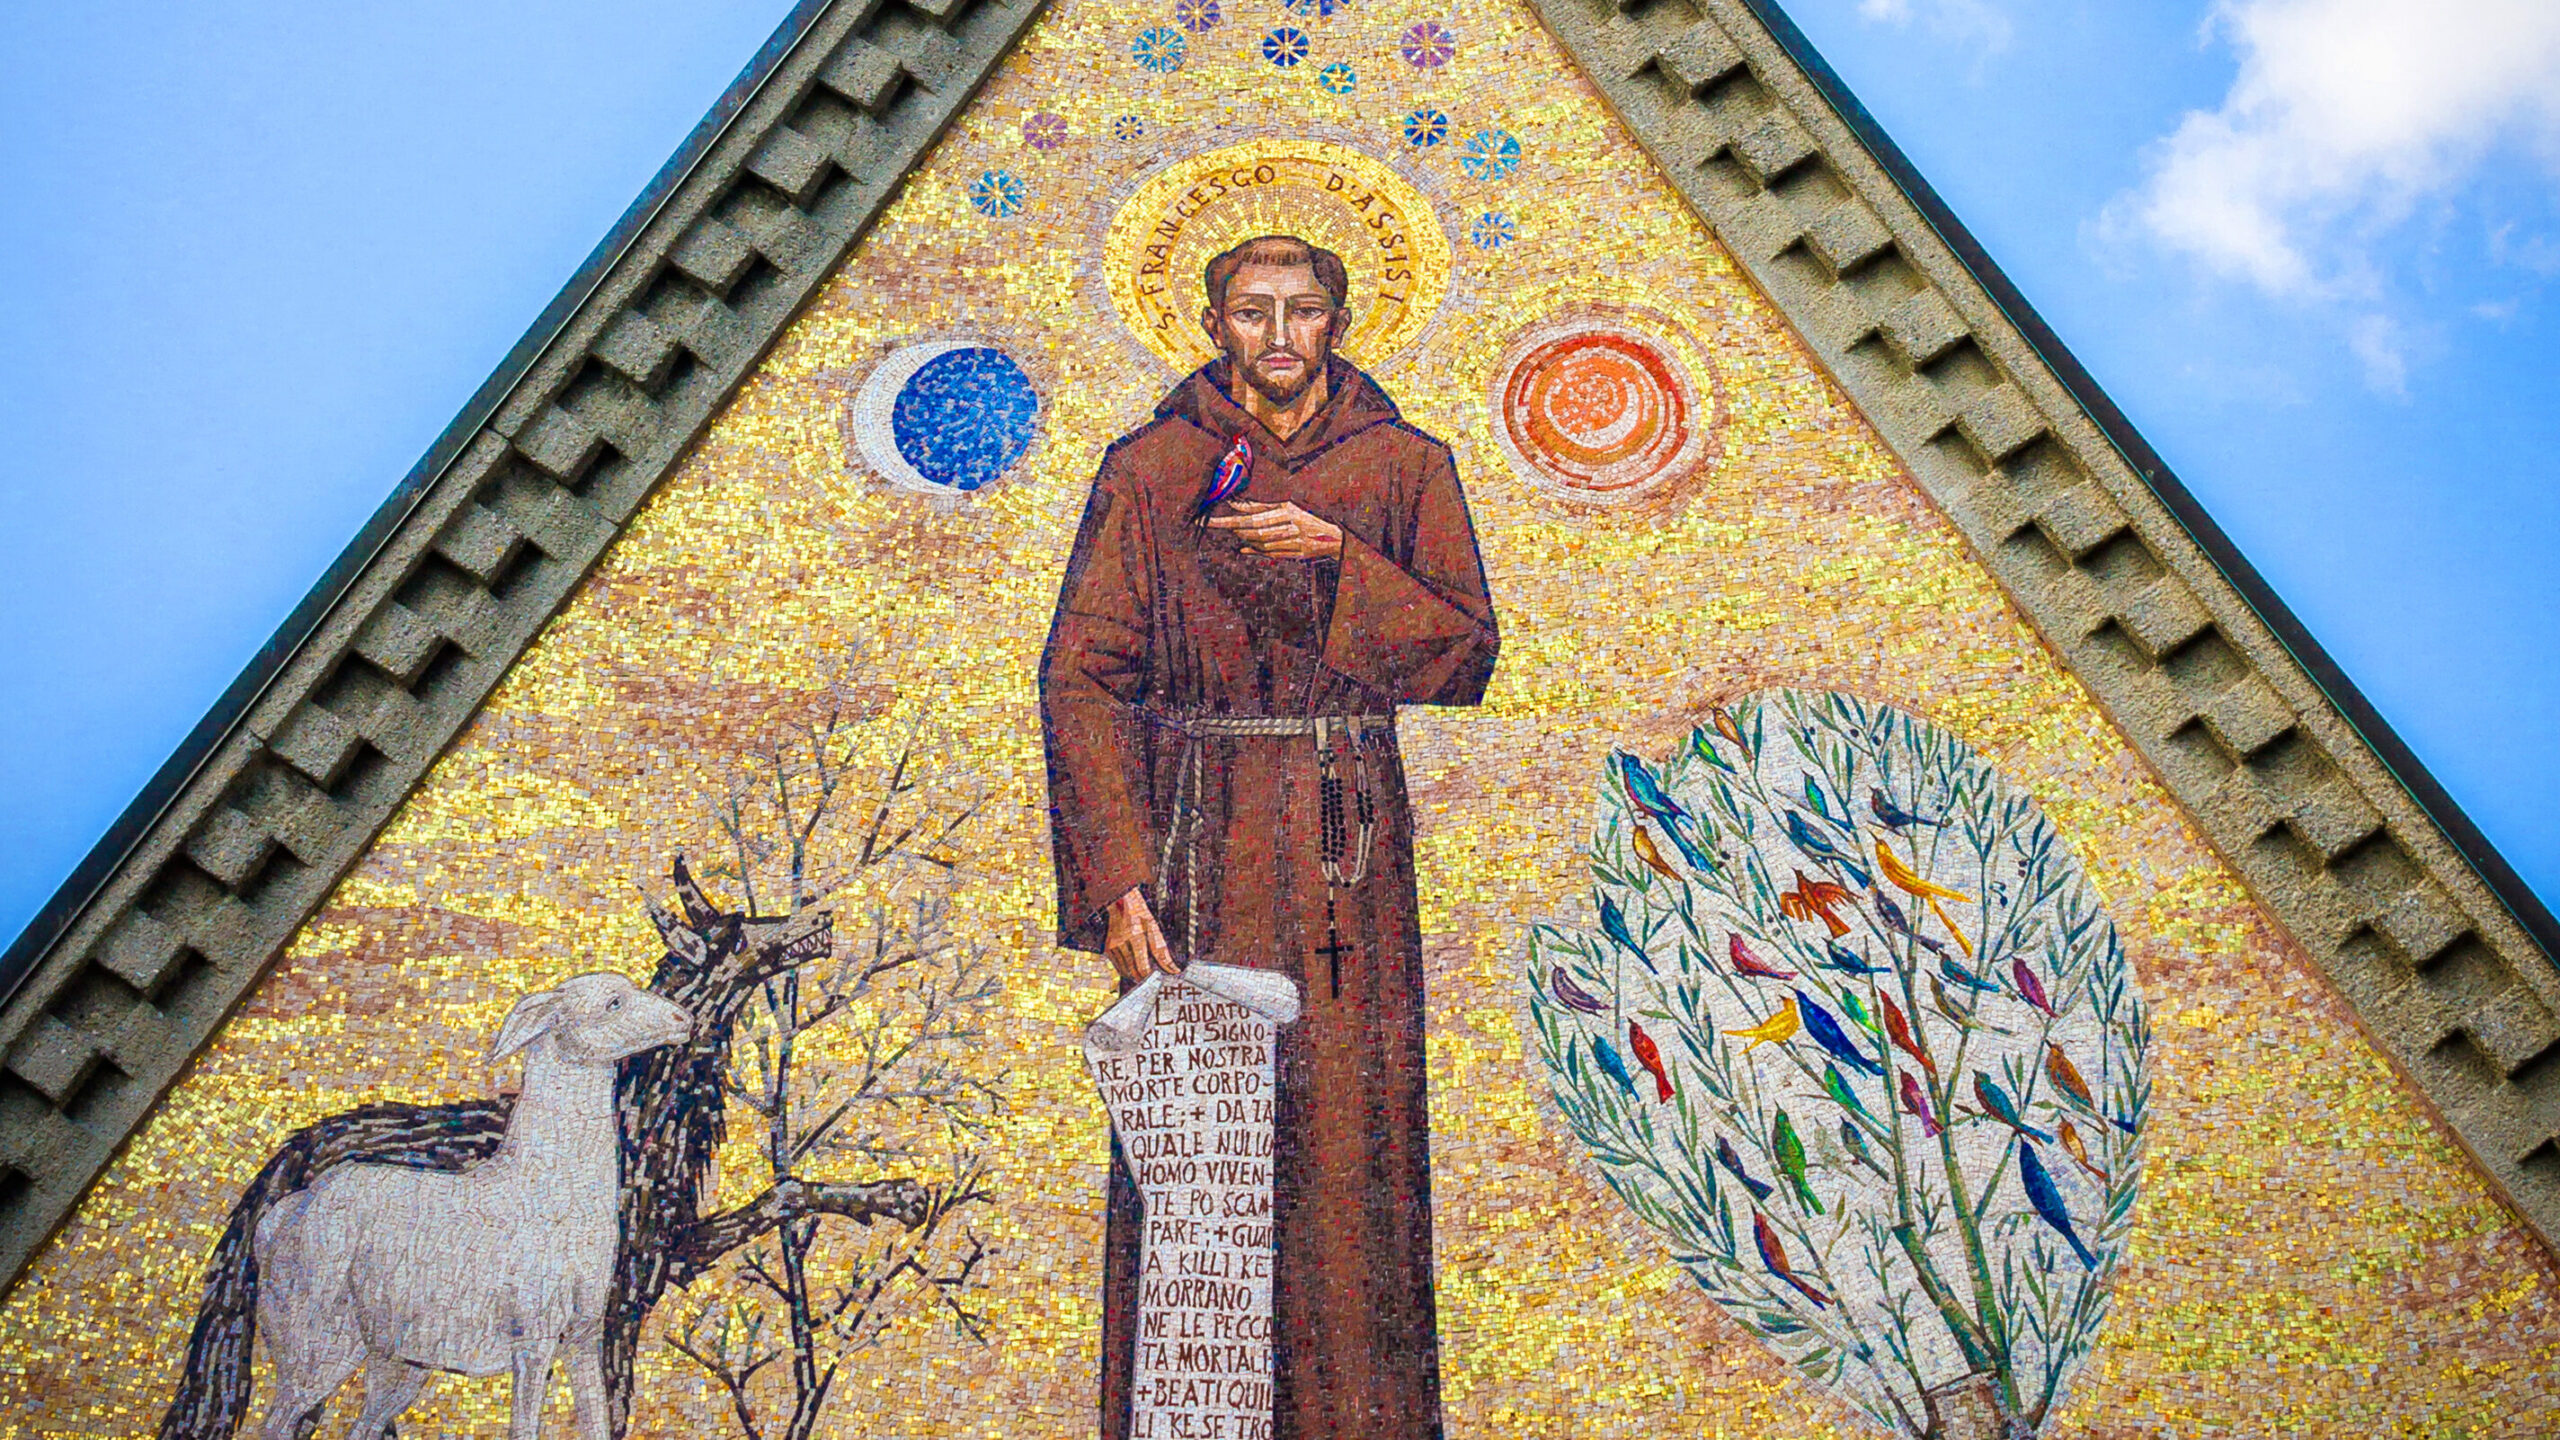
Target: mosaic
1901,1234
1746,987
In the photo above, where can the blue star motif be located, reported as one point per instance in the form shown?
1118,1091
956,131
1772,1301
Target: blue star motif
1285,47
1490,155
1425,128
1159,48
998,194
1337,78
1493,230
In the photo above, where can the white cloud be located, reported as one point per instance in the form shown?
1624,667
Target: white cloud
2345,114
2377,344
1972,22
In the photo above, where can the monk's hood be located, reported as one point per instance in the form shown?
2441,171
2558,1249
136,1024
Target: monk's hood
1356,403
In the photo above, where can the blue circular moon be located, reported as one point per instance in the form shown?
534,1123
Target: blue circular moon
944,416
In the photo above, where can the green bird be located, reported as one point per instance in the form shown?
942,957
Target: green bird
1789,1148
1838,1089
1857,1143
1858,1011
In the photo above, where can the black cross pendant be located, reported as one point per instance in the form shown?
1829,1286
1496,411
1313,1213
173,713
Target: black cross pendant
1333,950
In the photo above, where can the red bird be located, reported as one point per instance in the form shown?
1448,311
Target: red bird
1774,1255
1898,1027
1746,963
1917,1103
1813,899
1649,1056
2030,989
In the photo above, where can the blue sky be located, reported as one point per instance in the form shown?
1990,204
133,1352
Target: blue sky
262,252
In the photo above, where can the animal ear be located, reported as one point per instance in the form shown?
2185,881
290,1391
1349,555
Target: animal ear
532,1019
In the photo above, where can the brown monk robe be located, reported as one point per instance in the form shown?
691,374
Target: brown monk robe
1163,619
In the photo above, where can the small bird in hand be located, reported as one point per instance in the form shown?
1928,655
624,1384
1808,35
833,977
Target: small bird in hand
1894,817
1916,1100
2042,1194
1649,1056
1816,899
1997,1104
1731,1160
1234,470
1748,962
1819,846
1572,996
1774,1255
1788,1147
1928,892
1827,1033
1780,1027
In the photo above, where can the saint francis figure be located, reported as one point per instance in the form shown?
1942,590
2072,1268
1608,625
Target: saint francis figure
1265,571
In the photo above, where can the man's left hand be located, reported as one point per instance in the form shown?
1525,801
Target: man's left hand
1282,531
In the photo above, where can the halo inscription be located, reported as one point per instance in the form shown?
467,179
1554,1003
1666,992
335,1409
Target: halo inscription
1384,229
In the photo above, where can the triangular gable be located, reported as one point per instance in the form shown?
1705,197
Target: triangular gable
2327,819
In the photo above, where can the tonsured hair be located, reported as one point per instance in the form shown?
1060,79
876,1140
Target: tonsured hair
1280,250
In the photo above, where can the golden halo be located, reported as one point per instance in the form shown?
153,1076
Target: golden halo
1333,196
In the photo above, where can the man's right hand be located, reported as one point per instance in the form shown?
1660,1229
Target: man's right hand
1133,940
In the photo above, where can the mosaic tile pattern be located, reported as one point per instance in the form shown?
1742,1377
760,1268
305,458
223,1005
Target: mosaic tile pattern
2311,1255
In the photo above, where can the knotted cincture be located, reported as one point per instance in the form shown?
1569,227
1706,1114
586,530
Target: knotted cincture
1347,815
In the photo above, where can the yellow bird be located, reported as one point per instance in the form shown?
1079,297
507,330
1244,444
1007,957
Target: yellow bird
1779,1027
1646,852
1922,890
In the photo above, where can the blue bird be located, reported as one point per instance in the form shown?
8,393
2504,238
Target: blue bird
1893,817
1958,975
1819,846
1837,957
1997,1104
1611,1065
1726,1157
1613,923
2048,1200
1646,794
1900,924
1813,797
1827,1033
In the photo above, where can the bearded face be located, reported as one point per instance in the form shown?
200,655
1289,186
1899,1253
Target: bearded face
1278,328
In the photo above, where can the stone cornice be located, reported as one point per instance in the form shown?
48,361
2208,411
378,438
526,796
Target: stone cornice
207,876
2318,807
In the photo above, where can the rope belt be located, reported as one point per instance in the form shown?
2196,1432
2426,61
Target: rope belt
1348,823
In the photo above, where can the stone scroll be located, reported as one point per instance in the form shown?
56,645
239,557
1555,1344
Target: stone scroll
1185,1066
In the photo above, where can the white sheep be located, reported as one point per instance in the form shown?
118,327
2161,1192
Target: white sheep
498,1267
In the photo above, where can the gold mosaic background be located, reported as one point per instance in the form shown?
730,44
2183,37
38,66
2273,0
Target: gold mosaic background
2312,1257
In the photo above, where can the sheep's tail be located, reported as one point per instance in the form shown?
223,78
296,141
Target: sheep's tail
213,1391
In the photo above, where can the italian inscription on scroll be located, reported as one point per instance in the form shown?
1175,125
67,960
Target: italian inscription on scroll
1185,1066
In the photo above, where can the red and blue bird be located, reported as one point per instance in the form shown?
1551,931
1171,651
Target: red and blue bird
1235,470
